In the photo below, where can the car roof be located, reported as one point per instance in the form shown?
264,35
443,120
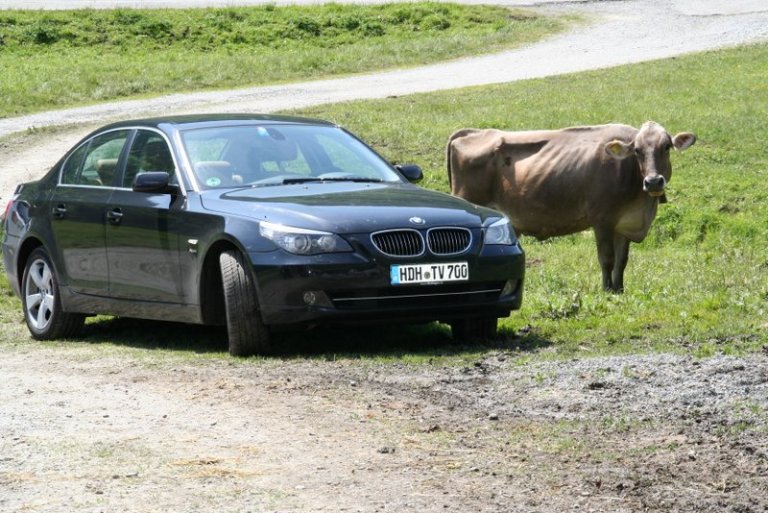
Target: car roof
203,120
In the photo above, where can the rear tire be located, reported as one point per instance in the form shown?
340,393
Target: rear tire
248,335
42,302
474,329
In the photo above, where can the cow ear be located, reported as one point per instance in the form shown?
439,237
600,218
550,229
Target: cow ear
618,149
683,140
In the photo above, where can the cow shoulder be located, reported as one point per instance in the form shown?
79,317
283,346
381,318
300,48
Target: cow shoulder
521,145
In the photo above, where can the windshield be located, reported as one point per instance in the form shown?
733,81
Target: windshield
277,155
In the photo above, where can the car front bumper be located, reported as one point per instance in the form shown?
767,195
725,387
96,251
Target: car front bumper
354,291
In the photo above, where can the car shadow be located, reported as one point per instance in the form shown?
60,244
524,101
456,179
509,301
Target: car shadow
431,339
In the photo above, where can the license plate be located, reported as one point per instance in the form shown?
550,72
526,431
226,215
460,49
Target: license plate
428,273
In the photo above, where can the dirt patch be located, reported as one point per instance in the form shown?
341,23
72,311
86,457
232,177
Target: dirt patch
85,431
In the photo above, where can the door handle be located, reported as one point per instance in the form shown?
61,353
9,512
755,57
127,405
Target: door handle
59,211
115,215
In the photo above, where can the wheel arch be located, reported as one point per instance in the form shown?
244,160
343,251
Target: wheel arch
26,249
211,286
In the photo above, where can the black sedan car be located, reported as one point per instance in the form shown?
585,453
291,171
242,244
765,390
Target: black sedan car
255,222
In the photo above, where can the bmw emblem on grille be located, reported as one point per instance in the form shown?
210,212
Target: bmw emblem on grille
417,220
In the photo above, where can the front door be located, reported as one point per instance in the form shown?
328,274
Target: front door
142,239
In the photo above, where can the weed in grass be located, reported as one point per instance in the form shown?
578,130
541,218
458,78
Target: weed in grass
623,424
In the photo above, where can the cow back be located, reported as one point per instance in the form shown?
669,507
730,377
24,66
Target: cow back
550,182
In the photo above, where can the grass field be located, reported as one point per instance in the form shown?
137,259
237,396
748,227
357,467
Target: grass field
56,59
698,284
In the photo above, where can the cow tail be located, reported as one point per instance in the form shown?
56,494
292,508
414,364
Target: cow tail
448,159
448,154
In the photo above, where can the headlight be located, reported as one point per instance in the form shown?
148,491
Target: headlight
303,242
500,233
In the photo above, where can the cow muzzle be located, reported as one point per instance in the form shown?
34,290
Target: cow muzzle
654,185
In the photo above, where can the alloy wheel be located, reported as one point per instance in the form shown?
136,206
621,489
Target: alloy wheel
39,299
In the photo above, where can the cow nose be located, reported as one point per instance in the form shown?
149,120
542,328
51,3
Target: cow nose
654,183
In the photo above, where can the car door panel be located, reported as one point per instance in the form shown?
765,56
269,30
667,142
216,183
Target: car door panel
77,223
76,213
142,229
142,247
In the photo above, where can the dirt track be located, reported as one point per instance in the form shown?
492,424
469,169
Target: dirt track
88,433
89,428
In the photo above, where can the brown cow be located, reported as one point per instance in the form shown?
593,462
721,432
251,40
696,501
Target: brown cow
556,182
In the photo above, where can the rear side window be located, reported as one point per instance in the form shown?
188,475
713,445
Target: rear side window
71,170
95,163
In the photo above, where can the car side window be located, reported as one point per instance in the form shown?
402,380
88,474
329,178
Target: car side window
70,172
95,163
149,152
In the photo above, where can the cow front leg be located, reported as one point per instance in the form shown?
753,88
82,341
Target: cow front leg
606,254
621,257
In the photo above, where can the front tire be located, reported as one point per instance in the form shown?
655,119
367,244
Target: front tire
42,302
474,329
248,335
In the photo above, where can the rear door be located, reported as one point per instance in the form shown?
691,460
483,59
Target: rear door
77,211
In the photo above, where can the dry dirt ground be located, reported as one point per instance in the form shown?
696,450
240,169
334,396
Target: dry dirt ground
92,428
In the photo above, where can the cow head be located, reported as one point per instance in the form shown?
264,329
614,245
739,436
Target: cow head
650,148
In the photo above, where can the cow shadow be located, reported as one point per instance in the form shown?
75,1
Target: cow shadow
390,341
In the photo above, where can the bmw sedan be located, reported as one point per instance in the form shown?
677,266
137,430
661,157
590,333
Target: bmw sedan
256,223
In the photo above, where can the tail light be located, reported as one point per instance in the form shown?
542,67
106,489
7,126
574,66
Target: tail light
7,211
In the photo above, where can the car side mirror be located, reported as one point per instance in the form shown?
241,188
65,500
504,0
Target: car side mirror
156,182
411,172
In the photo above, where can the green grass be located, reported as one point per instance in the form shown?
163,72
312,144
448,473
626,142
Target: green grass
699,282
697,285
57,59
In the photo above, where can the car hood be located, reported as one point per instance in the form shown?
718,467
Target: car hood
348,207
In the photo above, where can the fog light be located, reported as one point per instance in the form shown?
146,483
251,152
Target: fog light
310,298
509,288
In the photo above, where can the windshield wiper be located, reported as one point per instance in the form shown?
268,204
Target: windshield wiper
318,179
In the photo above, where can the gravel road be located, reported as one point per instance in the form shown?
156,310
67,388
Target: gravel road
623,32
88,429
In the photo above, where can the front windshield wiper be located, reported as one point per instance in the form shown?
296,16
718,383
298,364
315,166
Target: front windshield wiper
312,179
